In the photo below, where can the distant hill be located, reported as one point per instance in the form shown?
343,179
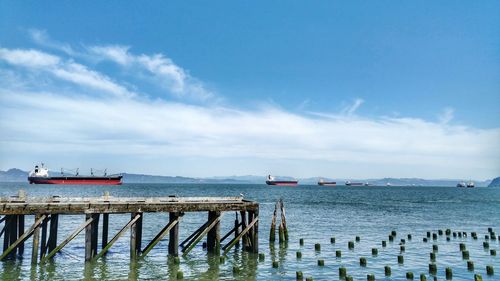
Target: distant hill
17,175
495,182
13,175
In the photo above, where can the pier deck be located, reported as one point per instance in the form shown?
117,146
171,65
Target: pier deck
46,210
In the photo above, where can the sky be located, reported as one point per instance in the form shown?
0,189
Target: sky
341,89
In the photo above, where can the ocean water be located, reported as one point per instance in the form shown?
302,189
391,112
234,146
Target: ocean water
313,213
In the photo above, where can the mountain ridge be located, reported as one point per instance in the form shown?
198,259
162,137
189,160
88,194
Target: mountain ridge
18,175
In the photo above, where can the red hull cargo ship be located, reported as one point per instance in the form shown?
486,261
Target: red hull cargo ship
40,175
271,181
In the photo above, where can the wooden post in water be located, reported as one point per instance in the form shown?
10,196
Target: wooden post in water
13,234
272,232
213,235
283,220
236,228
136,236
20,223
254,233
36,240
43,241
54,221
173,241
91,232
105,228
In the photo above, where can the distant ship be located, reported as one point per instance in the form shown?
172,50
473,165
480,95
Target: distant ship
349,183
40,175
327,183
388,184
470,184
461,184
272,181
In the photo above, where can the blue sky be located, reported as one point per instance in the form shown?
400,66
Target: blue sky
340,89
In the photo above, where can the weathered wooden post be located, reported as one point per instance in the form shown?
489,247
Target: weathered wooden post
272,231
105,228
36,240
43,241
213,236
173,241
54,221
255,231
236,228
20,223
91,231
135,235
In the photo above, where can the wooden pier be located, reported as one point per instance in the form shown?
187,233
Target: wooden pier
46,212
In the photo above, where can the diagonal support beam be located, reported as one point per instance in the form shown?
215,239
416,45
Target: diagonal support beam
159,236
228,247
67,240
198,237
230,232
193,234
118,235
23,237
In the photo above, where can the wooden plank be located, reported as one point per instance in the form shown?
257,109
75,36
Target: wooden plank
118,235
105,227
173,240
21,239
36,241
67,240
160,236
213,235
197,238
233,242
135,236
76,207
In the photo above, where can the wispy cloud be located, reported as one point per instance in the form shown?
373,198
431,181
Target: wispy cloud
67,70
351,109
447,115
160,68
135,125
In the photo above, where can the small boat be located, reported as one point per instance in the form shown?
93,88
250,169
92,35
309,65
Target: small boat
461,184
349,183
470,184
388,184
40,175
327,183
272,181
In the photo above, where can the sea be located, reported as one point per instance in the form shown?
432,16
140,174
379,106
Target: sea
313,213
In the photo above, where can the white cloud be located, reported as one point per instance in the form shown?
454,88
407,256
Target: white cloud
42,120
28,58
66,70
160,68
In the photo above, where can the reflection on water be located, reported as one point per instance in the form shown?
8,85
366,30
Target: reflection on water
313,213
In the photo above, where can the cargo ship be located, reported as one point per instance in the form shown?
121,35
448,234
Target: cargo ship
40,175
272,181
349,183
326,183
